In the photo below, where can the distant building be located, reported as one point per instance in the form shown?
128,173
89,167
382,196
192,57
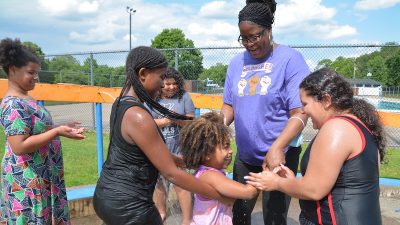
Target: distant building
366,87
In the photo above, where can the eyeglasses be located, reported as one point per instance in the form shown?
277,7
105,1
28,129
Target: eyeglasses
252,39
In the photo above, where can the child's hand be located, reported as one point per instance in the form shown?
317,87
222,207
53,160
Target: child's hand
181,123
265,181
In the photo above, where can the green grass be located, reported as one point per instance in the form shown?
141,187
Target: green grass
80,159
391,166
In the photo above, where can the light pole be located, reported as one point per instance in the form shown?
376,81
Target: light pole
354,69
131,12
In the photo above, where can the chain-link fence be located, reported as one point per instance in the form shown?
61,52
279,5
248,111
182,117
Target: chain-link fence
370,68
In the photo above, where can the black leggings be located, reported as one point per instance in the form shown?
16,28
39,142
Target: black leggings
275,203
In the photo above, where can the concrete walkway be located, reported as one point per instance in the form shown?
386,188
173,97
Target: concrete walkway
389,200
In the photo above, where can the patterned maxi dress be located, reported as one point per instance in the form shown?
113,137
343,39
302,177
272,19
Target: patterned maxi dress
32,185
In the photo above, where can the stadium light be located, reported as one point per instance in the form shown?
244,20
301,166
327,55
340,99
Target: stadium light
131,11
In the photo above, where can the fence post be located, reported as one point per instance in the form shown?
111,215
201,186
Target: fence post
92,83
40,102
176,59
196,113
99,137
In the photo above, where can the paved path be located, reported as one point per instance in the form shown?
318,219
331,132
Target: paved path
390,207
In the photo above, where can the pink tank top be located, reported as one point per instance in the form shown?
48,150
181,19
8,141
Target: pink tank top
208,211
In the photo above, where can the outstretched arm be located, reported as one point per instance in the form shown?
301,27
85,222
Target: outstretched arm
294,126
336,141
143,131
227,187
23,144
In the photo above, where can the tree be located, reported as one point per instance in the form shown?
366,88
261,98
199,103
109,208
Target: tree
324,63
389,50
377,68
69,70
344,66
64,63
216,73
36,49
393,65
190,61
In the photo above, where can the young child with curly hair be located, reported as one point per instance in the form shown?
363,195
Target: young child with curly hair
205,146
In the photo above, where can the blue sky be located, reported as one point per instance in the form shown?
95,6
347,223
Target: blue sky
71,26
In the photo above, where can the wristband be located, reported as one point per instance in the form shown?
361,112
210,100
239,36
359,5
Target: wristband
300,119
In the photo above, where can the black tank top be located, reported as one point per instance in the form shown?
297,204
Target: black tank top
354,199
127,169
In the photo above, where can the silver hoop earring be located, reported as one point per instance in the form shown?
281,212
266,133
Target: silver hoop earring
271,41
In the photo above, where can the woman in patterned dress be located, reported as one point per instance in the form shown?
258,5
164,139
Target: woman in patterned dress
32,173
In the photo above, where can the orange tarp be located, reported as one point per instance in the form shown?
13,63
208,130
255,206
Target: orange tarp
84,93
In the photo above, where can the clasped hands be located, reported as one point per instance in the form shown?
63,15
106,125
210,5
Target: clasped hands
273,171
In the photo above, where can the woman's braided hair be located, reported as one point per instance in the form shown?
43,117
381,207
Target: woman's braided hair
260,12
200,138
149,58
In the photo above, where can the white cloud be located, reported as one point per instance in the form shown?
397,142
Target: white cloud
297,12
63,7
309,17
103,31
87,7
104,24
294,18
375,4
216,29
219,9
332,31
57,7
133,38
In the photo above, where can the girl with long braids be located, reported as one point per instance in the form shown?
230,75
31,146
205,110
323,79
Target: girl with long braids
261,96
340,167
137,152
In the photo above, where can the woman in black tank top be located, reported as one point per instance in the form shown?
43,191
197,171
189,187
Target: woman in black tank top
340,168
137,151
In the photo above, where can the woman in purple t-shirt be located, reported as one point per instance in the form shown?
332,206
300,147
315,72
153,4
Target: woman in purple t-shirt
261,94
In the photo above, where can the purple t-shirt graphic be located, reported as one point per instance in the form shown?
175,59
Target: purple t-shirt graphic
262,92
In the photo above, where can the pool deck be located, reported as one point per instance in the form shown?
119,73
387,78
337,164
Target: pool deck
389,200
81,192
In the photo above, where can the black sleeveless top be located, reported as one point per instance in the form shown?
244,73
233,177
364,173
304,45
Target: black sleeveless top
127,170
354,199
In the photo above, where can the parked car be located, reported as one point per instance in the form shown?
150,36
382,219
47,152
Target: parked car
211,84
